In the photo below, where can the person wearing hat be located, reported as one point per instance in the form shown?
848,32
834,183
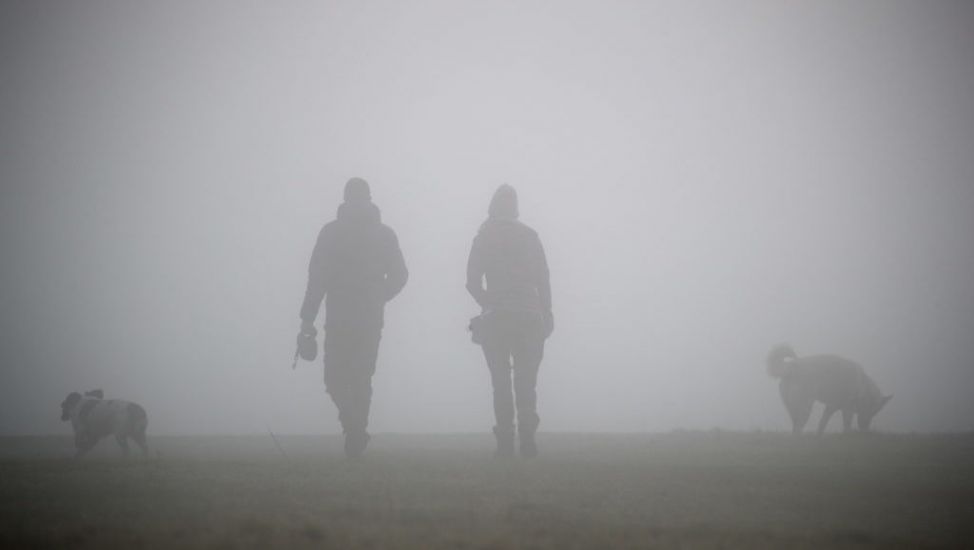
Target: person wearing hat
356,267
508,256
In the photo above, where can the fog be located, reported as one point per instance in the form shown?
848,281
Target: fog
708,179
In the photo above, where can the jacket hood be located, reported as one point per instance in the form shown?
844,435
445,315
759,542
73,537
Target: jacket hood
503,205
359,212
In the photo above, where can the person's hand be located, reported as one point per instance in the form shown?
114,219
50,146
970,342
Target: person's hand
308,328
549,324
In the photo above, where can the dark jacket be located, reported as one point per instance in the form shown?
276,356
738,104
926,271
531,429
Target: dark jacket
509,256
357,264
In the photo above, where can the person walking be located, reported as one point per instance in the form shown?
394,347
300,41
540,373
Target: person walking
356,267
507,274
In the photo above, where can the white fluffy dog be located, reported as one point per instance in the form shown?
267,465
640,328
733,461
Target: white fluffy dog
93,417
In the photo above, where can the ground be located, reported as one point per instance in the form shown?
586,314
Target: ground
677,490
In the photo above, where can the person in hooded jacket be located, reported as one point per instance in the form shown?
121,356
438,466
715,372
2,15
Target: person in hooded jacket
356,267
507,274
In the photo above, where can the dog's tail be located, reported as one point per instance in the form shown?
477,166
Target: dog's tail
778,360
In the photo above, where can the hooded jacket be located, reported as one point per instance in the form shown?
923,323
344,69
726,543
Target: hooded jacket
508,256
357,267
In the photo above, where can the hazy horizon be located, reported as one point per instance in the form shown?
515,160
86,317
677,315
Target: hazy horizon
708,179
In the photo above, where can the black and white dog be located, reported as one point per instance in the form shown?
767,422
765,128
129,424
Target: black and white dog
93,417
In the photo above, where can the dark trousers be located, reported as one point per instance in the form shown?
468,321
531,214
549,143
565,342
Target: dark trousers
514,345
350,356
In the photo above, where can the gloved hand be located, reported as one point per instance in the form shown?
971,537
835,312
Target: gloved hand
308,329
307,347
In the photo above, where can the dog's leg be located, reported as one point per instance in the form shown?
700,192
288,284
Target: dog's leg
799,408
826,415
846,420
123,442
140,441
805,412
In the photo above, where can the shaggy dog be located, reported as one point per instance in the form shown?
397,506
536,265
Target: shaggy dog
840,384
93,417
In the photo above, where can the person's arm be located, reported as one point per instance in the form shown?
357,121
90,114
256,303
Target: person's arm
544,279
317,283
396,272
475,275
544,288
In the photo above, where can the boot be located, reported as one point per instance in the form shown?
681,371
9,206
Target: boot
529,449
505,443
355,444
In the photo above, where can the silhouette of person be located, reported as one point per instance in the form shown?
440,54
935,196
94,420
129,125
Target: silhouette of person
356,267
508,256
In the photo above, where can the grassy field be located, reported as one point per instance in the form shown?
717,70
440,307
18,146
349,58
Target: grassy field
697,490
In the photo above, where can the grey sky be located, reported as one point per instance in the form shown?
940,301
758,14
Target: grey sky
709,178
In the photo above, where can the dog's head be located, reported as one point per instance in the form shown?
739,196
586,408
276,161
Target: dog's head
865,417
68,405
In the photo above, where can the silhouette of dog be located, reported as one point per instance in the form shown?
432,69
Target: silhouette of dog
840,384
93,417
